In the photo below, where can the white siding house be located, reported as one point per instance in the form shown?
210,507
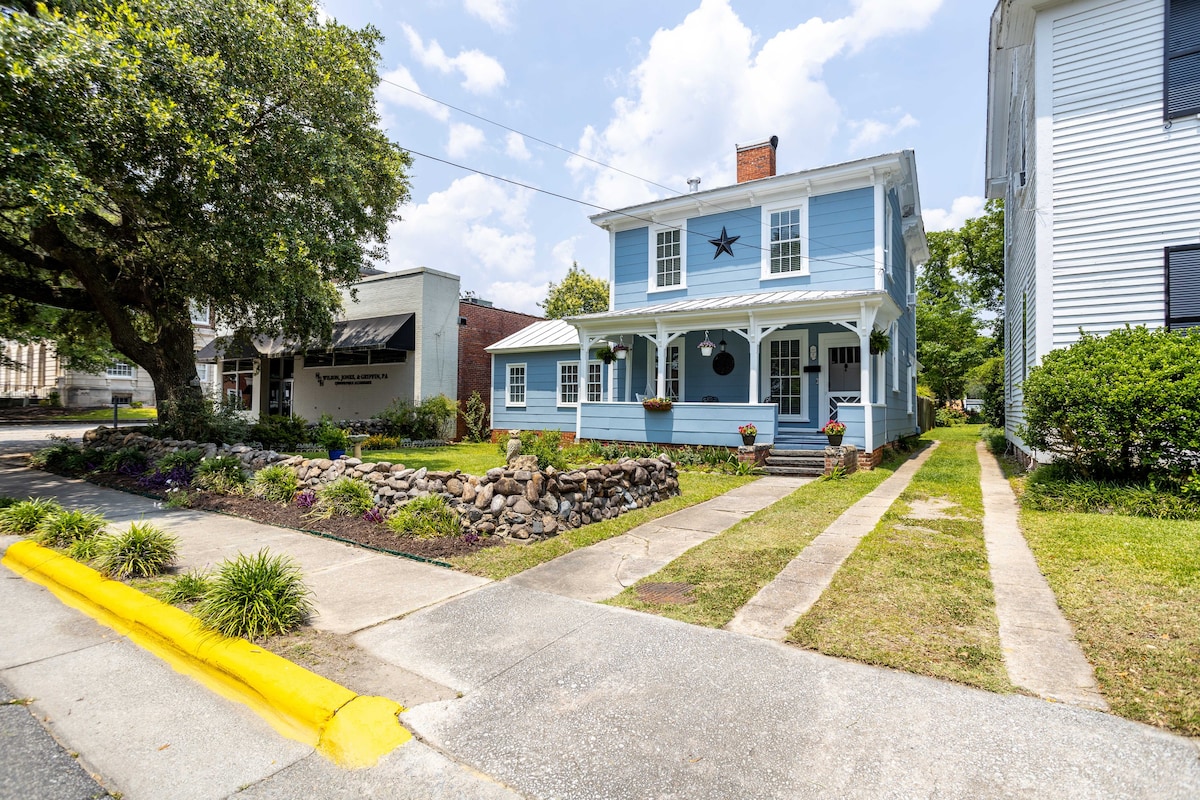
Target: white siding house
1093,141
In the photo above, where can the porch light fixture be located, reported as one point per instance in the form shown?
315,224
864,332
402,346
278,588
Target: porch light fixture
620,350
722,345
706,346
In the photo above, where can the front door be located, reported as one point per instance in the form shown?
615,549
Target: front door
844,379
785,374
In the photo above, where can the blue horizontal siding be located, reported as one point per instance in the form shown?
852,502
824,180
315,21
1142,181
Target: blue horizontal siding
724,275
686,423
841,248
541,409
631,262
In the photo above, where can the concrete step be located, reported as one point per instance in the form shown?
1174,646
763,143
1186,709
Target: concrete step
806,461
797,472
787,452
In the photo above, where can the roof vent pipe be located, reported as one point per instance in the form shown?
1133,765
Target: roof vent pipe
693,185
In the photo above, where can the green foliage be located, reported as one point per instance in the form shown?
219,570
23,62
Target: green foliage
278,432
168,151
185,588
379,442
475,415
426,517
330,436
948,417
219,421
276,483
1053,488
178,498
995,440
127,460
66,528
220,474
64,458
188,459
346,497
24,517
986,381
1119,406
141,551
546,445
5,502
432,418
254,596
578,293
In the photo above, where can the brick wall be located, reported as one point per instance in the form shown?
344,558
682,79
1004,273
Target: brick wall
484,326
756,161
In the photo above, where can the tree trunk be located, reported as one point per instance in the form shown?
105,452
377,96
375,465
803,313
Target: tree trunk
181,405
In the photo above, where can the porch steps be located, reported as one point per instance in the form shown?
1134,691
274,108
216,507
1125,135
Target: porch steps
805,463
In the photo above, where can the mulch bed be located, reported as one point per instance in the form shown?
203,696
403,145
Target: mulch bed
350,529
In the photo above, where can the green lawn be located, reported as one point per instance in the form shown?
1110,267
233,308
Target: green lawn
916,594
473,459
103,415
1131,588
498,563
730,568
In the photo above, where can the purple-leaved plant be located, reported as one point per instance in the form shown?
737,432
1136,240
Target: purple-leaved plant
306,498
373,515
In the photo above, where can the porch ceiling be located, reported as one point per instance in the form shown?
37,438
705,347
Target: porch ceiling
770,308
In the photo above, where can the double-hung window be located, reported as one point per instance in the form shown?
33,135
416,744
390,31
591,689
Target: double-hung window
568,383
785,230
1183,286
119,369
595,390
514,392
1181,68
667,258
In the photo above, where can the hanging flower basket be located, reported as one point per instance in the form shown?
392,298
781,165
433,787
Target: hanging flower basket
880,342
657,404
619,352
706,346
606,354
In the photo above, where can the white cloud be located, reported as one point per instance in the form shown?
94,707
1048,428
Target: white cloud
463,139
705,85
477,228
514,146
563,253
393,94
481,73
961,210
494,12
869,132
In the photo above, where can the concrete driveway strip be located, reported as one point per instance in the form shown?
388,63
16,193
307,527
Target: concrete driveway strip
605,569
1040,651
626,705
776,607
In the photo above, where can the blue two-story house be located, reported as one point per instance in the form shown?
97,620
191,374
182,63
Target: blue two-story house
752,303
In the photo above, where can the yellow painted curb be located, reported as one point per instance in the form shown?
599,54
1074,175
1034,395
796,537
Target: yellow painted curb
351,730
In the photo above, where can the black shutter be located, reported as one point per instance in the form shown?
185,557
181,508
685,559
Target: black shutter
1181,66
1183,286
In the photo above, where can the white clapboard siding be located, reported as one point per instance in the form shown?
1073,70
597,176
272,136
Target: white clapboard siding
1124,187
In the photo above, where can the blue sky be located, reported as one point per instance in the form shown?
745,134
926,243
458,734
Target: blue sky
662,89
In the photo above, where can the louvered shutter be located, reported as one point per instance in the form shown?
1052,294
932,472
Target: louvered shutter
1182,63
1183,287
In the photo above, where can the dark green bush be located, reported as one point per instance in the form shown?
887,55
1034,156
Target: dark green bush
995,440
141,551
127,461
1053,488
348,497
67,528
276,483
1119,406
426,517
433,418
221,474
475,416
25,516
202,420
948,417
546,445
278,432
986,381
255,596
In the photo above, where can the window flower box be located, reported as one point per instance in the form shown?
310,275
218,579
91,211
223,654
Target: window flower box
657,404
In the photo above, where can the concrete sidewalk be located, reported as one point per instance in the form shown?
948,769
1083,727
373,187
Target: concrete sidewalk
604,569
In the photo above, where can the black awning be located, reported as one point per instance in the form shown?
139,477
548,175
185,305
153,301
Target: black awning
225,347
394,332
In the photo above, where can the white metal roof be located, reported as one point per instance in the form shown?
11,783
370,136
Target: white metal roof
727,302
550,334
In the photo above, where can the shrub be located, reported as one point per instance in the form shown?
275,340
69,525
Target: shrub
279,432
345,496
141,551
986,381
24,517
431,419
189,459
222,475
126,461
426,517
64,458
66,528
947,417
379,442
203,420
546,445
475,417
178,498
276,483
995,440
1118,406
5,502
1050,489
185,588
255,596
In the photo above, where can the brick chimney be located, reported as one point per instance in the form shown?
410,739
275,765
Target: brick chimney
756,160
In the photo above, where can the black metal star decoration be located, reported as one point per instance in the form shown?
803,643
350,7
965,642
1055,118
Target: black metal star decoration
724,244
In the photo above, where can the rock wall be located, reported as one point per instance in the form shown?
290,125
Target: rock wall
521,502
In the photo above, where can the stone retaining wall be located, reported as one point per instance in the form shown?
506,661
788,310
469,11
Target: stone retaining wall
521,502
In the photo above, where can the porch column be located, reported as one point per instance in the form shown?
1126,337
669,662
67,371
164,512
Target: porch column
864,358
585,344
754,339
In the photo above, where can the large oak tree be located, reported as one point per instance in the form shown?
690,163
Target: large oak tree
159,153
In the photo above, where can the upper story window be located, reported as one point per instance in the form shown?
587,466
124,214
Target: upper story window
119,369
785,229
201,314
1181,89
1183,286
515,388
667,259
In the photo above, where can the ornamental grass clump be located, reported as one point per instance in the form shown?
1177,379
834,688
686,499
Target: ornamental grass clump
186,588
349,497
141,551
220,475
276,483
22,518
255,596
66,529
425,517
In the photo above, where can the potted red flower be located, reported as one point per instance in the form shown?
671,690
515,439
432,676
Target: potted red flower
834,430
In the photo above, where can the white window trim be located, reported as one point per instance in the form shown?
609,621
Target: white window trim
801,204
889,257
764,371
652,286
508,384
908,389
201,314
895,348
120,369
587,382
558,385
